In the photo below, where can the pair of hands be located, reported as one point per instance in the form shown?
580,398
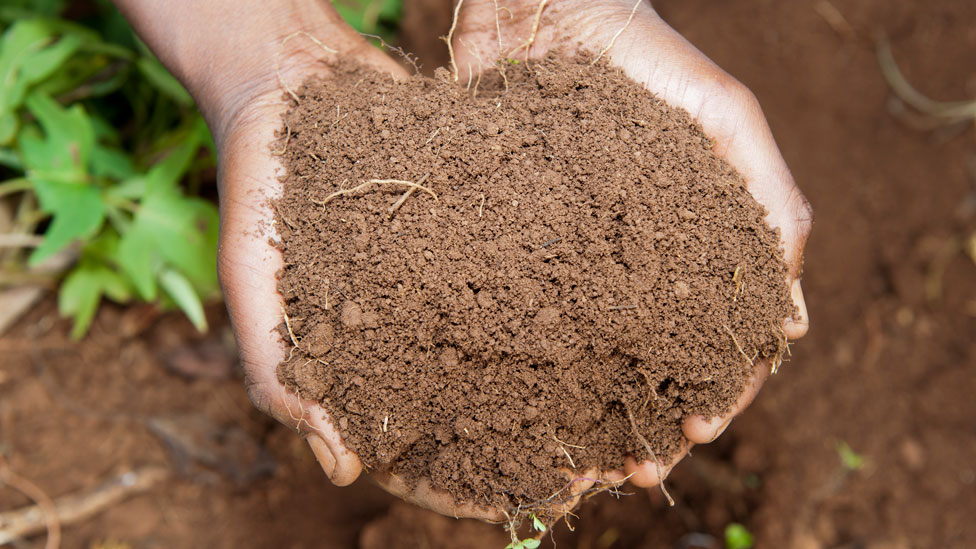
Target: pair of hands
235,56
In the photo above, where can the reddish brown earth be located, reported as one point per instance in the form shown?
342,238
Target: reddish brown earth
551,301
885,367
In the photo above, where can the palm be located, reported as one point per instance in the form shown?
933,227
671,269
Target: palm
648,50
657,57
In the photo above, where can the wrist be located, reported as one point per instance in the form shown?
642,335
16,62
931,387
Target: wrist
227,52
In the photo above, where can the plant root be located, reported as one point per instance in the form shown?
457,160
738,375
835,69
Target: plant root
408,57
396,205
527,45
450,39
278,58
647,446
284,148
615,36
364,185
737,346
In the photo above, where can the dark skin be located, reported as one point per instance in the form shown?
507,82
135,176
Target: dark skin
236,57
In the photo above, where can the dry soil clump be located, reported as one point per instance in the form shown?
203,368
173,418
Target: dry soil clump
506,278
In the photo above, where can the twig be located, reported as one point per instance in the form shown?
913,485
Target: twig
551,242
535,29
20,240
619,32
75,507
951,110
737,346
363,185
396,205
621,307
481,208
450,37
834,18
647,446
44,511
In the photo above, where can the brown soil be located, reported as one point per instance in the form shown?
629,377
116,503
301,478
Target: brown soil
884,368
577,257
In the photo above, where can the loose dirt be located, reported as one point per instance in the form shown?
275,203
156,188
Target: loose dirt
483,286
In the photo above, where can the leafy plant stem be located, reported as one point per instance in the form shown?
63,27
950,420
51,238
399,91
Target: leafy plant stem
14,186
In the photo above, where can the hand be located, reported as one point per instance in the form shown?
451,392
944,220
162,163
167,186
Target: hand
238,78
633,37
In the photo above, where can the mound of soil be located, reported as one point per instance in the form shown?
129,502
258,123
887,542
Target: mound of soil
514,282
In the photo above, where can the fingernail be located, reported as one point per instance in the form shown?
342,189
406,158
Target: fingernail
322,454
721,429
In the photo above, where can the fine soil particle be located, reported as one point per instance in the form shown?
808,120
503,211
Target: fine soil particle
577,254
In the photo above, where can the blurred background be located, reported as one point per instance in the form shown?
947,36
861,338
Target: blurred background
123,418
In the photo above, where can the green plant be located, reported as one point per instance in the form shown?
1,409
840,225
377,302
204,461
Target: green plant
738,536
851,460
96,143
380,17
528,543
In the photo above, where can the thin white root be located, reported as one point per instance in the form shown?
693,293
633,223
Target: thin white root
527,45
366,184
737,346
498,28
619,32
396,205
450,39
657,463
278,57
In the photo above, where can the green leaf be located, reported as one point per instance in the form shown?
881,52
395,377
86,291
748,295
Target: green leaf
185,234
27,57
111,163
179,289
851,460
69,140
82,290
164,175
78,213
138,259
162,80
21,40
10,159
8,127
737,537
537,524
43,63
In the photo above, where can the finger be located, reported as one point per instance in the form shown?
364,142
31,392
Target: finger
797,325
648,473
439,501
248,267
569,497
701,430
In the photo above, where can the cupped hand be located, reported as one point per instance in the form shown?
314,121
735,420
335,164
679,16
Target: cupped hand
246,120
632,36
240,78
